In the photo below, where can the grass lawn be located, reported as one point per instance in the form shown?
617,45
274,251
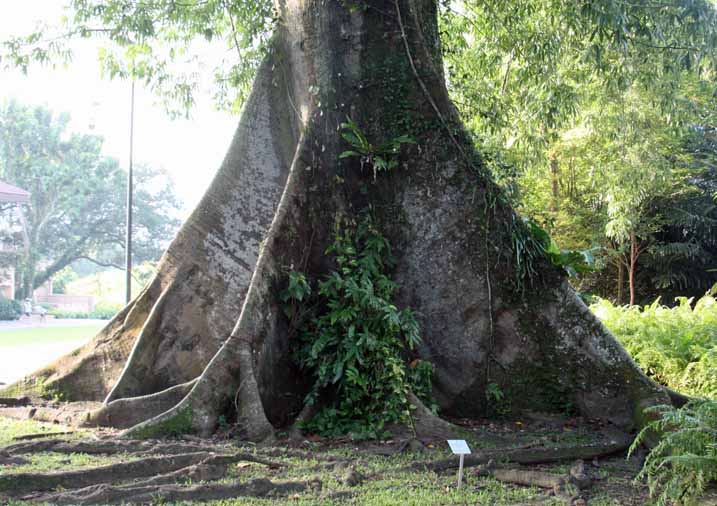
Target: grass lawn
46,335
384,479
25,350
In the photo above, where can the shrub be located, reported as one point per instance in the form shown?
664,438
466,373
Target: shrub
676,346
106,310
685,460
9,309
103,311
69,315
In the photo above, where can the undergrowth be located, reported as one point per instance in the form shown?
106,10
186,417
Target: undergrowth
353,340
685,460
676,346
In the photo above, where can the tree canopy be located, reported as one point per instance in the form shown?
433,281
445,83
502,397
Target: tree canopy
585,111
77,206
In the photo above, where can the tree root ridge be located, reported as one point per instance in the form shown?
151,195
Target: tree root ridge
11,460
109,447
425,424
230,373
528,456
24,483
210,469
127,412
106,494
72,414
147,338
570,486
41,435
14,402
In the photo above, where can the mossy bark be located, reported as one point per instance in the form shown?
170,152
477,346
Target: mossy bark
213,314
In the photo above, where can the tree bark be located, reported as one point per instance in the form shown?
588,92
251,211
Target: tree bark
211,321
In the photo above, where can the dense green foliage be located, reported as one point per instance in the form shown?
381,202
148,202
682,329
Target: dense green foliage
685,460
588,115
9,309
77,207
677,346
353,340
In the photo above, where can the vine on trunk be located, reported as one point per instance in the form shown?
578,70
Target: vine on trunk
352,339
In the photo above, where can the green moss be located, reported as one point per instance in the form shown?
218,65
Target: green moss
51,391
177,425
35,388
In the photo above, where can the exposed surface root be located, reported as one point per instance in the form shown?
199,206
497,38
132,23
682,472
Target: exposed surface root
568,486
676,398
104,493
24,483
528,478
210,469
109,447
12,402
526,456
41,435
11,460
210,492
71,414
128,412
430,426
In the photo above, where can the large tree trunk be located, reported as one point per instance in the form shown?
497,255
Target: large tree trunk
208,337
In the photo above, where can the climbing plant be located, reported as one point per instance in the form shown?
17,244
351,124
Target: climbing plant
353,341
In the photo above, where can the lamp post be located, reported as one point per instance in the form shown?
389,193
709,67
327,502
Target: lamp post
128,240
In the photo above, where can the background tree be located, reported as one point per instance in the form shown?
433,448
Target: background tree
584,112
77,207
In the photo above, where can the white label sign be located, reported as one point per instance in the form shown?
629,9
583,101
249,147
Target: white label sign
459,447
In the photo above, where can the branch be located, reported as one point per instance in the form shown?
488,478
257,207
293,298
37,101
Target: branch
665,48
108,264
234,29
507,72
101,263
55,267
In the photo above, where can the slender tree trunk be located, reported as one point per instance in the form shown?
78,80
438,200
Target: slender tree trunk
210,328
27,264
633,266
555,181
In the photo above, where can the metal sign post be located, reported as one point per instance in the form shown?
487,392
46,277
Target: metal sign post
128,238
460,471
459,447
